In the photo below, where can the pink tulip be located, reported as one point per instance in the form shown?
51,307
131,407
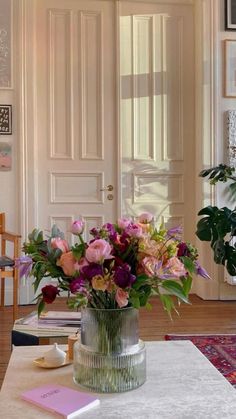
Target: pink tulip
121,297
67,262
123,223
77,227
145,217
98,251
58,243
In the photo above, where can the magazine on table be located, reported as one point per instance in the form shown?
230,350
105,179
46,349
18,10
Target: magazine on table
63,400
33,323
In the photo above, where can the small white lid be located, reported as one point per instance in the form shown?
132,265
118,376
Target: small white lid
54,356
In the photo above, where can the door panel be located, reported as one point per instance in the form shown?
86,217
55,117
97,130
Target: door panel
75,99
157,111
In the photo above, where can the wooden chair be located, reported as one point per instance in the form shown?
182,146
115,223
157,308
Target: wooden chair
7,268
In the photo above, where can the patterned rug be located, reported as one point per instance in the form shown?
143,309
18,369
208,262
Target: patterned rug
219,349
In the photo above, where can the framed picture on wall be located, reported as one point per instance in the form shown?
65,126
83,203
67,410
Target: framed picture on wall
230,68
6,44
5,120
230,15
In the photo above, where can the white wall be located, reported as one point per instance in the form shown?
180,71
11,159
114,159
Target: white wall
9,185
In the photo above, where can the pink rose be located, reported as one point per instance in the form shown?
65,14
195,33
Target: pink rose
77,227
80,264
121,297
123,223
134,230
67,262
150,265
145,217
98,251
58,243
176,267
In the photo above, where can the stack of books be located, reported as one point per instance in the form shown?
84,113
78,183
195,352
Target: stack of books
51,323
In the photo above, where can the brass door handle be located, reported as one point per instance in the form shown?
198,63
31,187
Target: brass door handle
107,188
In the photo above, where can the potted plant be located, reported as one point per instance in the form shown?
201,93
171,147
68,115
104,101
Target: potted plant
218,225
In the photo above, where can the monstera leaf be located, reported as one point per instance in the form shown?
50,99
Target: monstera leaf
218,225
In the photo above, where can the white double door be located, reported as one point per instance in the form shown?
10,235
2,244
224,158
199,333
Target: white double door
113,117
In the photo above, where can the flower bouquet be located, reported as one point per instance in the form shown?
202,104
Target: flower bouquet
123,265
109,278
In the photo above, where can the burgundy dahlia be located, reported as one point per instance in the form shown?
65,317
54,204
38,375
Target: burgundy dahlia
122,276
91,270
49,293
183,250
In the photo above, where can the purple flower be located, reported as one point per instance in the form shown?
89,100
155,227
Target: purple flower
122,276
24,264
175,232
109,228
92,270
76,284
94,232
183,250
201,271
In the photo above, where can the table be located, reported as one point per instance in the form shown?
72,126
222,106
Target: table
29,338
30,334
181,384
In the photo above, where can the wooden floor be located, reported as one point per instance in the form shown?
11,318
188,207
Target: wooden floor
199,317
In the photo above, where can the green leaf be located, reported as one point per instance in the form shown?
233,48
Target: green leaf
188,264
56,232
78,251
144,294
204,232
140,281
148,306
232,190
41,306
187,284
174,289
208,211
168,303
134,300
219,251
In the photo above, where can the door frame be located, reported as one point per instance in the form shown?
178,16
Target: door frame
207,27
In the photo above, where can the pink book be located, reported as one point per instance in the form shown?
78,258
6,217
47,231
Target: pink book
63,400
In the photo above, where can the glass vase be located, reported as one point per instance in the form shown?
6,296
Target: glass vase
109,357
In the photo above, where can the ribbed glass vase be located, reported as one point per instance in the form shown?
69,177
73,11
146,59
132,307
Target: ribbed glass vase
109,357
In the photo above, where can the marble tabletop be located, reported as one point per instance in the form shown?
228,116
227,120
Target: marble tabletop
181,384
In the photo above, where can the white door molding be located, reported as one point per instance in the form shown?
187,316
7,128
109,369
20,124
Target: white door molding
26,115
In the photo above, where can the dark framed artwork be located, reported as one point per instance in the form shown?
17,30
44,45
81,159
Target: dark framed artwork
230,68
230,15
5,120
